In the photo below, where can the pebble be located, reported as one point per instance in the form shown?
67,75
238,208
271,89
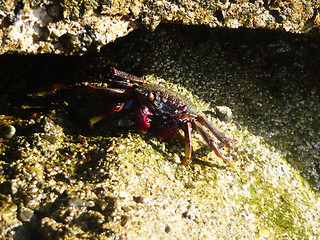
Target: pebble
7,132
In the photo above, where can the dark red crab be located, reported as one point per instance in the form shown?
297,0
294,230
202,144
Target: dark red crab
154,103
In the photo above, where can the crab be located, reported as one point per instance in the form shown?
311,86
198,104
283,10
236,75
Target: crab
154,103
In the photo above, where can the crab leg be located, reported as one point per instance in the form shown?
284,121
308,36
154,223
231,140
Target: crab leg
211,143
229,143
124,75
114,84
115,108
90,89
187,134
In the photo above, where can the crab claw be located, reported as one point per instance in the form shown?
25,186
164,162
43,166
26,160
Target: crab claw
170,130
142,119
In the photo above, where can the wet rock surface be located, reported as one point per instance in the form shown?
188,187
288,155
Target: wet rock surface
59,179
76,27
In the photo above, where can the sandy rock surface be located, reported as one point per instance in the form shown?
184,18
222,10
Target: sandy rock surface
75,27
59,179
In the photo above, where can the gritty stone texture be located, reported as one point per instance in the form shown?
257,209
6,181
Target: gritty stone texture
74,27
59,179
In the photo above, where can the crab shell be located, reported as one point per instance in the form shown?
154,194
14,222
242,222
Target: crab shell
165,104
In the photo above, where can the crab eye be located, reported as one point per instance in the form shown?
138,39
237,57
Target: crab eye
150,96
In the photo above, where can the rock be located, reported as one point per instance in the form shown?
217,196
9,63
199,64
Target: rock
79,187
72,27
7,132
223,113
8,216
25,214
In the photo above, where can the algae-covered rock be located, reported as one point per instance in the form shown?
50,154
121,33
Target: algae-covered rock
59,179
75,27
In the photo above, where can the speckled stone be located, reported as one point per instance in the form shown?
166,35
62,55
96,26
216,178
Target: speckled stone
72,27
59,179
